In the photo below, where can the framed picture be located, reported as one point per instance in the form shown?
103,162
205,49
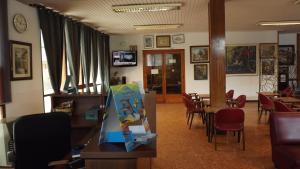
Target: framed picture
148,41
241,59
268,50
286,54
199,54
21,60
163,41
200,72
267,66
177,39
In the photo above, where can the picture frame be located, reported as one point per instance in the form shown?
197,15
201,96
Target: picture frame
163,41
21,60
267,66
200,72
148,41
178,39
199,54
268,50
241,59
286,54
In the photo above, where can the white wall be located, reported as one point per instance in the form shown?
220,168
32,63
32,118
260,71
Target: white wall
27,95
247,85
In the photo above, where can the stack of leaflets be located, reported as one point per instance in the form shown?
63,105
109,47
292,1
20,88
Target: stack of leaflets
125,119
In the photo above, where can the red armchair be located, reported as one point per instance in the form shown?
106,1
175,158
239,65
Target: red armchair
285,140
230,119
287,91
193,107
281,107
239,102
266,104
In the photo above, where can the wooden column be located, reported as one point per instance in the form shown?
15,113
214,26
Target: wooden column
298,59
217,51
5,88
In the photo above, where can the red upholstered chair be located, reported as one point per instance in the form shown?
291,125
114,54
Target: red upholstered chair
281,107
266,104
287,91
229,95
193,107
239,102
230,119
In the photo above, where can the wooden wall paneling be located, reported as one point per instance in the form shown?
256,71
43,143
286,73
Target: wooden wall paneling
5,88
217,51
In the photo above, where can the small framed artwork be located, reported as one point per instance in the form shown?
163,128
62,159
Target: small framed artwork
268,50
200,72
163,41
199,54
21,60
177,39
148,41
267,66
286,54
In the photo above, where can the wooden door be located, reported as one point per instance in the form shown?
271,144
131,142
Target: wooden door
164,73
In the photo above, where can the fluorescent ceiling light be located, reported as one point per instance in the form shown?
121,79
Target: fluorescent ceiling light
146,7
278,23
157,26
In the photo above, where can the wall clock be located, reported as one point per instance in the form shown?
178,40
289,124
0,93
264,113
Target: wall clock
20,23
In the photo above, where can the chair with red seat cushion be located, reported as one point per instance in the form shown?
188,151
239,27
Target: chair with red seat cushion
287,91
194,107
266,104
230,119
229,95
281,107
239,102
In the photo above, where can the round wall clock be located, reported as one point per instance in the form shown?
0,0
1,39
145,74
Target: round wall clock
20,23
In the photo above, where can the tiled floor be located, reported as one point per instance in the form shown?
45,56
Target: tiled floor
181,148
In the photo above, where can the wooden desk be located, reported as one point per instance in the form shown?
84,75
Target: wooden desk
210,115
114,156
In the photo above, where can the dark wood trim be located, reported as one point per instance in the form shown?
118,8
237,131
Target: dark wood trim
298,58
217,51
5,87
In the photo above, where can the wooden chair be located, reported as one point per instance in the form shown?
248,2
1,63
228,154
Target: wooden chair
194,108
239,102
266,104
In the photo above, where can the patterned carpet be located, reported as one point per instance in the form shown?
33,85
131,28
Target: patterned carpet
181,148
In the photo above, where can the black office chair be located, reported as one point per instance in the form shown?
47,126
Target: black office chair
41,139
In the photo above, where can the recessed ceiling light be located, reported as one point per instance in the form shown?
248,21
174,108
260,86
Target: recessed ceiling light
278,23
146,7
157,26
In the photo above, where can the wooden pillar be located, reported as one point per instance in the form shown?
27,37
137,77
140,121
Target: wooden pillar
217,51
5,88
298,59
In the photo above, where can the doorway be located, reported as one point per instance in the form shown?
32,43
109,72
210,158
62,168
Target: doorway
164,73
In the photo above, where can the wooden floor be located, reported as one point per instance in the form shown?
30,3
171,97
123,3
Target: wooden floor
181,148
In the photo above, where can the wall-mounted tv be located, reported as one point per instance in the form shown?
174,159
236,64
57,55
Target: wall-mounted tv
124,58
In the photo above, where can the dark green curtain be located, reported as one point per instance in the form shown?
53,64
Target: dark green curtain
72,34
105,68
5,87
85,54
52,26
94,59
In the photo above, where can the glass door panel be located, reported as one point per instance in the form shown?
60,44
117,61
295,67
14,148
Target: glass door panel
173,74
154,72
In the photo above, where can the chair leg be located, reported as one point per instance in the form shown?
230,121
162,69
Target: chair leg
239,136
188,119
260,114
215,135
243,132
191,120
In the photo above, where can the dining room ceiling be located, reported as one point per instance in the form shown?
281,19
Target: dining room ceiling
241,15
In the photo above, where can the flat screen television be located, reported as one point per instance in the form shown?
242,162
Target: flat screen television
124,58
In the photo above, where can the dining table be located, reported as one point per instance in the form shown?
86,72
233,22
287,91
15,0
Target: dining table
289,100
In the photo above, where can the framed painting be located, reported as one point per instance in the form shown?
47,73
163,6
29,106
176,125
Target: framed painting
163,41
21,60
268,50
200,72
199,54
148,41
241,59
286,54
267,66
178,39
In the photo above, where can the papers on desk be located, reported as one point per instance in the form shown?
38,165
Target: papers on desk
125,119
